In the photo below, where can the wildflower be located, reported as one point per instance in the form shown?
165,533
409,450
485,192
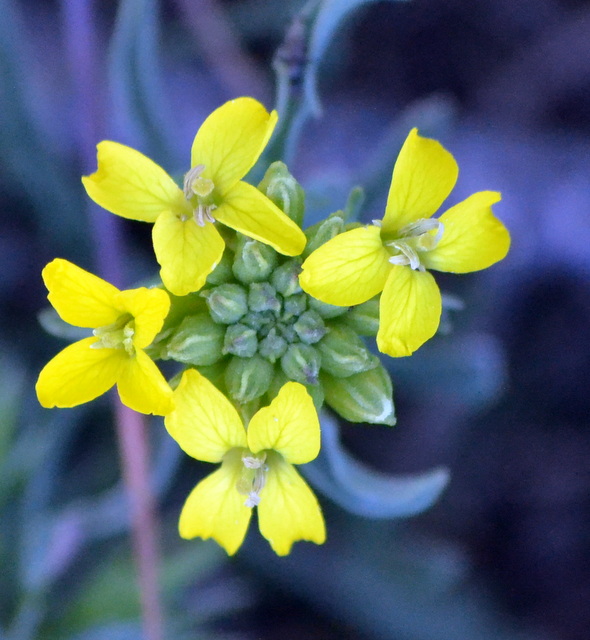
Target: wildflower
124,323
186,242
392,255
256,465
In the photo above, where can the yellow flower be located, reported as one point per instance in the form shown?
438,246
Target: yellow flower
124,323
186,242
256,465
393,255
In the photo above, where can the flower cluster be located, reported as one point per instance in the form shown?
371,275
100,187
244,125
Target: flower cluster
266,322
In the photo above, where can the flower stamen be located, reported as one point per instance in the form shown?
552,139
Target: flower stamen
118,335
414,239
253,478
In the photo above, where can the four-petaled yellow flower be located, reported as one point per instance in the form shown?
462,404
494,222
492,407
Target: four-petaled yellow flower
186,243
256,465
392,255
124,323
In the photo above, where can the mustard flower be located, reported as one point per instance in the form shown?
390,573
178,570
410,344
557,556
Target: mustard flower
124,323
392,255
186,242
256,465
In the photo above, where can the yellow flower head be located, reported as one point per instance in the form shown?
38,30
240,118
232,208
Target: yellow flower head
186,242
124,323
256,465
393,255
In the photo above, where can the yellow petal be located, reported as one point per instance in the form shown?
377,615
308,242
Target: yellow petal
349,269
288,425
204,422
215,509
230,141
409,311
186,252
79,374
131,185
79,297
473,238
424,175
149,308
288,509
142,387
250,212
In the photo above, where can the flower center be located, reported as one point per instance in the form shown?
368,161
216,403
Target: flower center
118,335
253,477
415,238
199,192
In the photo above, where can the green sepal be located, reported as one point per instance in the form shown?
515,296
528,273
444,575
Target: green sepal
324,309
254,261
279,379
240,340
223,271
301,363
364,318
310,327
273,346
282,188
263,297
322,231
248,378
227,303
198,340
344,353
363,397
285,278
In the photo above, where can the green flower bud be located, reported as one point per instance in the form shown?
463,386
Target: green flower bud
301,363
344,353
294,306
240,340
227,303
364,318
354,203
324,309
260,322
321,232
285,278
198,340
273,346
282,188
223,271
310,327
363,397
248,378
263,297
288,332
254,261
279,379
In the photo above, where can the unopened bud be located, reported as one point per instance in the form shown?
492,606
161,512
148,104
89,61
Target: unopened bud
254,261
263,297
310,327
324,309
223,271
321,232
248,378
285,278
282,188
227,303
294,306
344,353
301,363
273,346
198,340
315,391
240,340
363,397
364,318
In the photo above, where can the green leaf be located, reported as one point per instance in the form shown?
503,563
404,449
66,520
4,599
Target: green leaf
366,492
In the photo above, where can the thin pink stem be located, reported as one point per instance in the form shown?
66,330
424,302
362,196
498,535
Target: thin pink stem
82,52
133,448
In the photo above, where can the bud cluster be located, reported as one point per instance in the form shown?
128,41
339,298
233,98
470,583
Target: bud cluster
259,329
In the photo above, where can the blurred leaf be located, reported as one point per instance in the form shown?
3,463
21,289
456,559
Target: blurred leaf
366,492
134,73
113,631
58,328
329,19
12,381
